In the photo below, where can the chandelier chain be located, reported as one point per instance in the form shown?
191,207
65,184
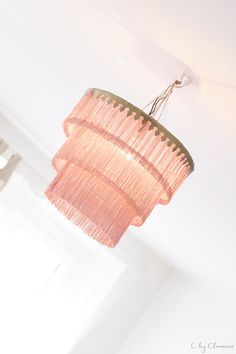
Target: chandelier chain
159,103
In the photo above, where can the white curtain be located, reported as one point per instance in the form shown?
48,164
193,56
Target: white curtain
53,278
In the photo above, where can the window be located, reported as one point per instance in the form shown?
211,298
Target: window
53,278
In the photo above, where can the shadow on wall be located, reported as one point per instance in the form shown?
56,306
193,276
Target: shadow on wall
165,66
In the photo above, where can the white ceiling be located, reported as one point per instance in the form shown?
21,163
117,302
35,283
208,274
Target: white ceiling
52,51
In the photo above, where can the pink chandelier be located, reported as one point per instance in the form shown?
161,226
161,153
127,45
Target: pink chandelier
116,165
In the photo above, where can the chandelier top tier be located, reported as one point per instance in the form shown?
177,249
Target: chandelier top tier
116,165
115,100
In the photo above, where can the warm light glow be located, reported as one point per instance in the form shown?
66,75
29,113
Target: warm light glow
115,166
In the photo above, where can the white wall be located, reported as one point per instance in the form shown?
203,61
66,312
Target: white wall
185,311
